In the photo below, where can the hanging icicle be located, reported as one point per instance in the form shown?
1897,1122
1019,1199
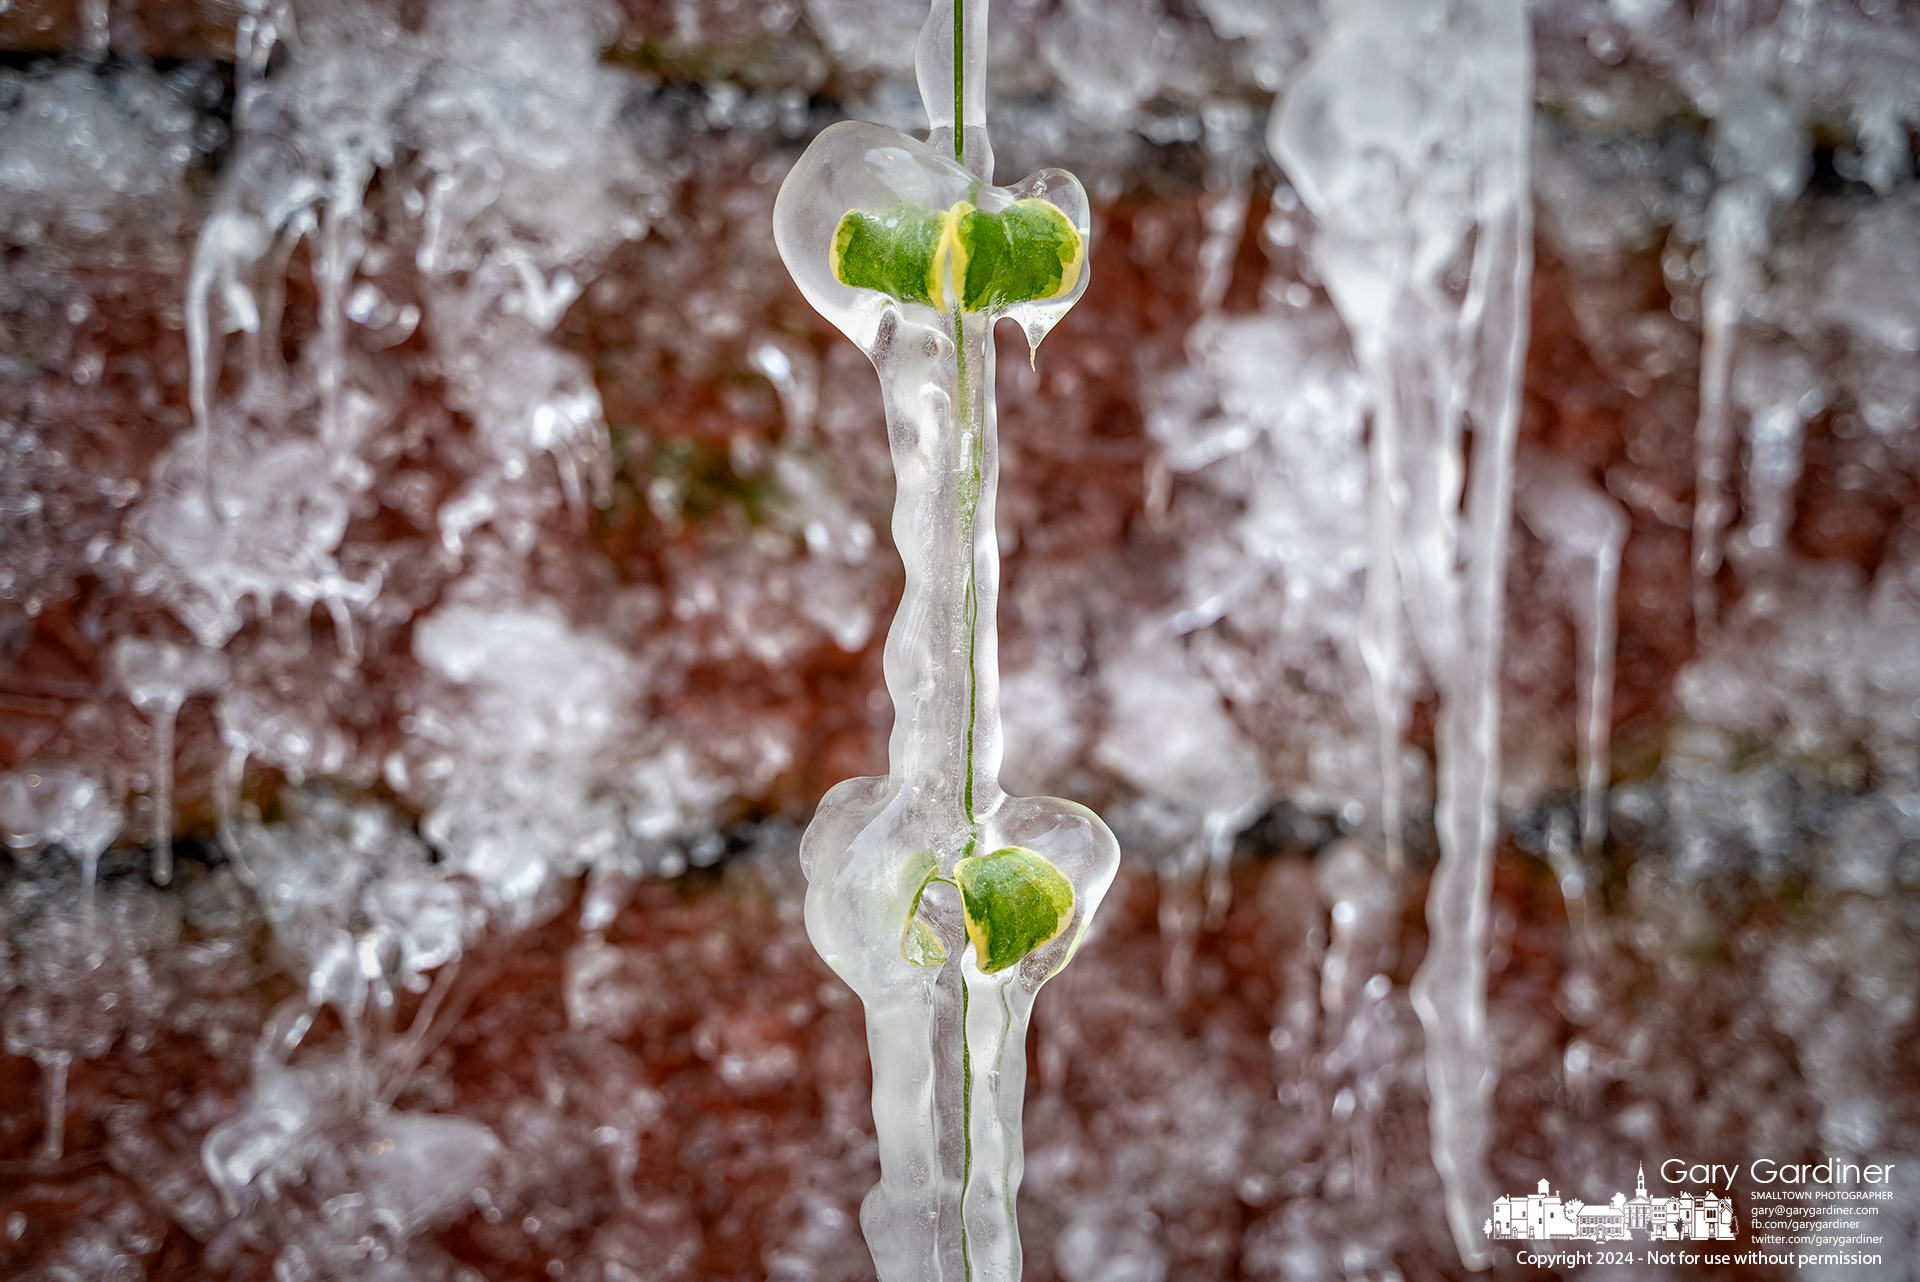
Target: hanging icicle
1586,531
1407,137
1760,156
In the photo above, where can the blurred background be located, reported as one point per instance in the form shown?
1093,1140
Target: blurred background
443,560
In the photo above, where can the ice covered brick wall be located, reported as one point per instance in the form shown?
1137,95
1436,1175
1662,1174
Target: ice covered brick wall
443,560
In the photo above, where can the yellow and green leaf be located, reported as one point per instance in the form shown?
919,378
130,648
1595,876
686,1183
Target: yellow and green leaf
1028,252
1014,901
918,942
921,946
897,252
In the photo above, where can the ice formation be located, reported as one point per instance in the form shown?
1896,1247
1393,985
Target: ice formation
158,676
911,252
1760,160
1586,530
51,807
436,531
1414,159
77,814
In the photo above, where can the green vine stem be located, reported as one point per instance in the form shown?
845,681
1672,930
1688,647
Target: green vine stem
959,81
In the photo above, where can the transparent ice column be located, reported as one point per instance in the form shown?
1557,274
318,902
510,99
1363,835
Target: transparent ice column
1760,155
1407,136
942,901
1586,531
159,677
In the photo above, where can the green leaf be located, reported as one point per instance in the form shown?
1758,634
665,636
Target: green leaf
918,943
1026,253
897,252
1014,901
921,946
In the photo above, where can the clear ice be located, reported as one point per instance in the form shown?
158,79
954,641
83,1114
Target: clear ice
1587,530
48,807
1760,158
158,677
1413,156
403,409
946,1024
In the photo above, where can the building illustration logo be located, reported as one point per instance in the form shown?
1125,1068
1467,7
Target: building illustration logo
1698,1217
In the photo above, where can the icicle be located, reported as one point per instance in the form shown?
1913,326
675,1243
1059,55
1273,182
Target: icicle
1408,186
1760,153
1196,891
1736,221
913,878
89,885
53,807
267,189
1218,836
227,804
1179,924
199,369
162,711
53,1079
1229,193
1573,874
1449,992
253,39
1595,619
1362,900
795,376
341,247
158,676
1586,529
1774,445
96,29
1379,637
1780,393
343,632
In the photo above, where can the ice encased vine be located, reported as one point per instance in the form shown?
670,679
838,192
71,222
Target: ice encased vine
948,1039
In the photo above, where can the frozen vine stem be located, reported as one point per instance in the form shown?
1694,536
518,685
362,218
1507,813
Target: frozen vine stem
942,901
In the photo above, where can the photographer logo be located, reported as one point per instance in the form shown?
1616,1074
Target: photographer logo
1687,1216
